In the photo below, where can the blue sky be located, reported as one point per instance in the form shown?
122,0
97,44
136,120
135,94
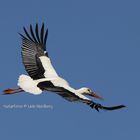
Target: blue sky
91,43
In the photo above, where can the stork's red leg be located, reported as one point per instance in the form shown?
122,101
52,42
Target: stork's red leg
12,91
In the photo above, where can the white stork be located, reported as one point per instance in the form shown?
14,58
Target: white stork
42,75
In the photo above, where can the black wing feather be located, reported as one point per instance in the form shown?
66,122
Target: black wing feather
45,38
42,34
31,61
27,34
37,34
99,106
63,92
32,33
32,48
113,107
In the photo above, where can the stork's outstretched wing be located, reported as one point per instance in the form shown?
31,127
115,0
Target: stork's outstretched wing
34,54
99,106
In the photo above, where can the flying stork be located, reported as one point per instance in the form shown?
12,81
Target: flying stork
42,75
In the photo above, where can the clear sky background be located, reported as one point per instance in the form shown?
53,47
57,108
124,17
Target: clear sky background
93,43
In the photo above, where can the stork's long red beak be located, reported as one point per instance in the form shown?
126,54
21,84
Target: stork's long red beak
93,94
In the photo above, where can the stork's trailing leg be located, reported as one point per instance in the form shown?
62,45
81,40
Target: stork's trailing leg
12,91
99,106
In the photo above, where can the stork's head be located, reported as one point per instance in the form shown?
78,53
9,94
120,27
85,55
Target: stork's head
88,91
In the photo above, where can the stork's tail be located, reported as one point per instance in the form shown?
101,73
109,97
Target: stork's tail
29,85
12,91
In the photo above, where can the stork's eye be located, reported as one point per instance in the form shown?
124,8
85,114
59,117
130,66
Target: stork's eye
89,90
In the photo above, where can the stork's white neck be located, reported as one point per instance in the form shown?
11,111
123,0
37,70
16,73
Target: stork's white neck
82,90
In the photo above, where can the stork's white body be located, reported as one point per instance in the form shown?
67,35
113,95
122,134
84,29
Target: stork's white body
29,85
